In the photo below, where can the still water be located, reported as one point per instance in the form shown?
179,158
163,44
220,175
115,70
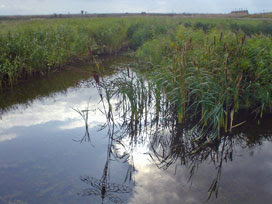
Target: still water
56,148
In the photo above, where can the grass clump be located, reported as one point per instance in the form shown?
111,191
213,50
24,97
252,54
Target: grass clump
213,76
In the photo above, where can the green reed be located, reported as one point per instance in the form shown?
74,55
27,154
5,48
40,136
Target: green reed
31,47
145,112
212,76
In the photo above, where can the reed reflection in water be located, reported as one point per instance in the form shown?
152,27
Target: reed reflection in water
103,187
138,114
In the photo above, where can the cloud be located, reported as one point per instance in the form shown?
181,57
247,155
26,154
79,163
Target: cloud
244,178
7,137
58,108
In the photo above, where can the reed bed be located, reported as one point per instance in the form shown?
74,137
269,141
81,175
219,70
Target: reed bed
206,68
212,76
30,47
36,47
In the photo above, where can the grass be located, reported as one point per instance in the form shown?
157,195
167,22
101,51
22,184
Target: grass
144,110
29,47
263,15
208,69
212,75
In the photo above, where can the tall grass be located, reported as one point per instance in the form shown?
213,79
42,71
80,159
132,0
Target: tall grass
39,46
142,113
213,75
248,26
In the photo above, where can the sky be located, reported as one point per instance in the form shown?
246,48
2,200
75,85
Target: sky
33,7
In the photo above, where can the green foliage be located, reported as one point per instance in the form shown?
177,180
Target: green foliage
155,51
249,27
202,72
38,46
204,26
145,29
212,76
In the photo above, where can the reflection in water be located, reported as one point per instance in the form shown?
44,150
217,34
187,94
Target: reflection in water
54,83
141,141
7,137
39,162
85,116
103,187
145,117
192,153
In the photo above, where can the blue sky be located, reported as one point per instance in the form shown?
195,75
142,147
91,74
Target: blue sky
23,7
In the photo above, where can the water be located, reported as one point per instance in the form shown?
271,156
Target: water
43,161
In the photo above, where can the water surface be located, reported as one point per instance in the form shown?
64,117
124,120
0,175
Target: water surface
43,161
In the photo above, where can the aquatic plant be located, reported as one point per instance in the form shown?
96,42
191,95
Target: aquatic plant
143,113
212,76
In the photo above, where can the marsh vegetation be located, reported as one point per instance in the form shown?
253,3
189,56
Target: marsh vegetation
208,71
31,47
141,147
137,113
193,86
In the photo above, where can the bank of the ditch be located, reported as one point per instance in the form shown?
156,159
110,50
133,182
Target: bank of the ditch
211,76
205,69
39,46
30,47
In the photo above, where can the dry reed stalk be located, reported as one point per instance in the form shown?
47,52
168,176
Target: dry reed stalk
221,36
226,70
90,51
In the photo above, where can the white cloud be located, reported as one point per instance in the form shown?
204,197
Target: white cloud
158,186
58,108
7,137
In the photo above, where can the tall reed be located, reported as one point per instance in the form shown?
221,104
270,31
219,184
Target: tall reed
212,76
31,47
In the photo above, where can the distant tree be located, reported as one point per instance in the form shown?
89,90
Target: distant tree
82,12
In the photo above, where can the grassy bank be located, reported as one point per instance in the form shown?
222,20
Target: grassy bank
212,75
31,47
209,69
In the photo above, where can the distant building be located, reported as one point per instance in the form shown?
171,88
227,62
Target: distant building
240,13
